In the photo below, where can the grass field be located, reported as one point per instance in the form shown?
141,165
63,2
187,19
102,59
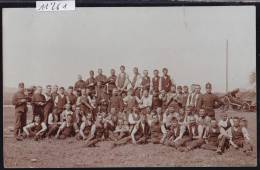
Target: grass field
71,153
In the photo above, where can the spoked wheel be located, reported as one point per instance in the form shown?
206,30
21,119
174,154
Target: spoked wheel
245,107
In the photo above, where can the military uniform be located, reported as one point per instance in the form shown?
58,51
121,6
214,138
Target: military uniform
38,109
155,83
207,102
20,112
80,84
213,142
146,83
166,83
111,84
48,107
90,84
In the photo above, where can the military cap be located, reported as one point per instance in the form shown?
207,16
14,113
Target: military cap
179,87
208,85
48,86
243,119
62,88
164,69
70,87
21,85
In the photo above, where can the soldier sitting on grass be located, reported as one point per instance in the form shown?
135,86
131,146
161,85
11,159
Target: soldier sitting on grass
85,127
215,140
121,135
96,132
53,124
141,131
66,129
173,132
35,129
239,136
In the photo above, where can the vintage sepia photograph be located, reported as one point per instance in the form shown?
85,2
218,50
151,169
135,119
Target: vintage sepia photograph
129,87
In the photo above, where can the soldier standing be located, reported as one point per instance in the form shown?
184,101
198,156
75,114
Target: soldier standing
145,81
20,102
91,82
122,79
54,92
80,84
111,82
208,101
135,82
49,104
38,101
185,95
71,98
166,81
155,81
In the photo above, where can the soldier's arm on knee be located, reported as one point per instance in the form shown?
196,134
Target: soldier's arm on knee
27,127
245,134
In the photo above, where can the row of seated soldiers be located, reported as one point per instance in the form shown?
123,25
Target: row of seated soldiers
184,129
44,103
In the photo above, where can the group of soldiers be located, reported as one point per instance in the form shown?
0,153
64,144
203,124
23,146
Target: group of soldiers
125,109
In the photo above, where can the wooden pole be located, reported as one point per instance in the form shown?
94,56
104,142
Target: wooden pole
226,66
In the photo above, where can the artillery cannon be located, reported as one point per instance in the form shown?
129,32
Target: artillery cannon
231,100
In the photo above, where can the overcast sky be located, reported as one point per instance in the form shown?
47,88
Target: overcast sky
41,48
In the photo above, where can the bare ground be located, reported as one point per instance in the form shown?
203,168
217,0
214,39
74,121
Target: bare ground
71,153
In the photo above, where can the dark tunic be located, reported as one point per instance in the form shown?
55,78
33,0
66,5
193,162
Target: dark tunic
117,103
72,99
80,84
155,83
156,102
208,102
237,135
61,103
111,83
146,83
19,106
166,83
89,81
213,135
121,80
101,78
38,109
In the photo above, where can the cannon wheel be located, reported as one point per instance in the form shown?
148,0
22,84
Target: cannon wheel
245,107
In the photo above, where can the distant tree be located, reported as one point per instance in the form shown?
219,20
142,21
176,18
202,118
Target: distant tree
252,78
